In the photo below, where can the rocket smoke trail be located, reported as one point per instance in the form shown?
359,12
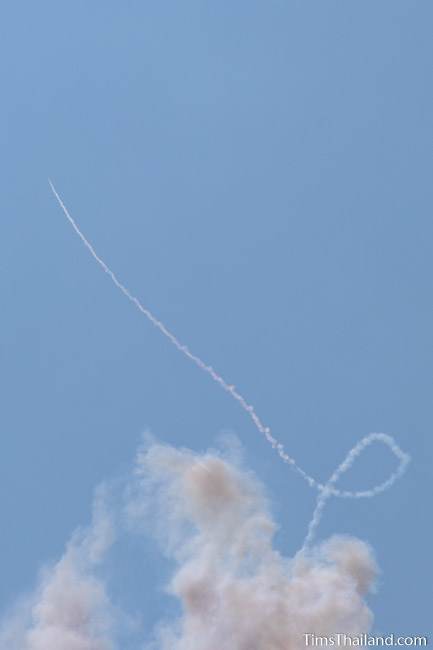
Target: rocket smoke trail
325,491
235,589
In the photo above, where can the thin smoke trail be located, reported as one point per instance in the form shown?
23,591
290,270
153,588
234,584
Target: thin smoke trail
325,490
328,490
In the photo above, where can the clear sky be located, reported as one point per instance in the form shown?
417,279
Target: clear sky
259,173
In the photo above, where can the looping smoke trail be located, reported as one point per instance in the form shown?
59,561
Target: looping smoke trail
325,490
328,490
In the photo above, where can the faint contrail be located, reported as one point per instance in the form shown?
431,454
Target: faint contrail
325,490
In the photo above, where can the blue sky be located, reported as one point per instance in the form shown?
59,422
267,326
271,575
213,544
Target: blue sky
260,175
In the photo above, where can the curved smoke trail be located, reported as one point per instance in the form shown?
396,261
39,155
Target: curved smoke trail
325,490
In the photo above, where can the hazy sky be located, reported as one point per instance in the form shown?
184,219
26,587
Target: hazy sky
259,173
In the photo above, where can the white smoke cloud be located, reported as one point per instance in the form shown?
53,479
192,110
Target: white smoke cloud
70,609
236,591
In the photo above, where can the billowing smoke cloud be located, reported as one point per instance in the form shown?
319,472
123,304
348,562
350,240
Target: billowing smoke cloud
236,591
70,609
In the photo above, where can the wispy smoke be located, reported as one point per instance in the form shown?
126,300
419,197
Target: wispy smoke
236,590
324,491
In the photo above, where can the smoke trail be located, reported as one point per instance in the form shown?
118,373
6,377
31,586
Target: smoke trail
325,491
328,490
